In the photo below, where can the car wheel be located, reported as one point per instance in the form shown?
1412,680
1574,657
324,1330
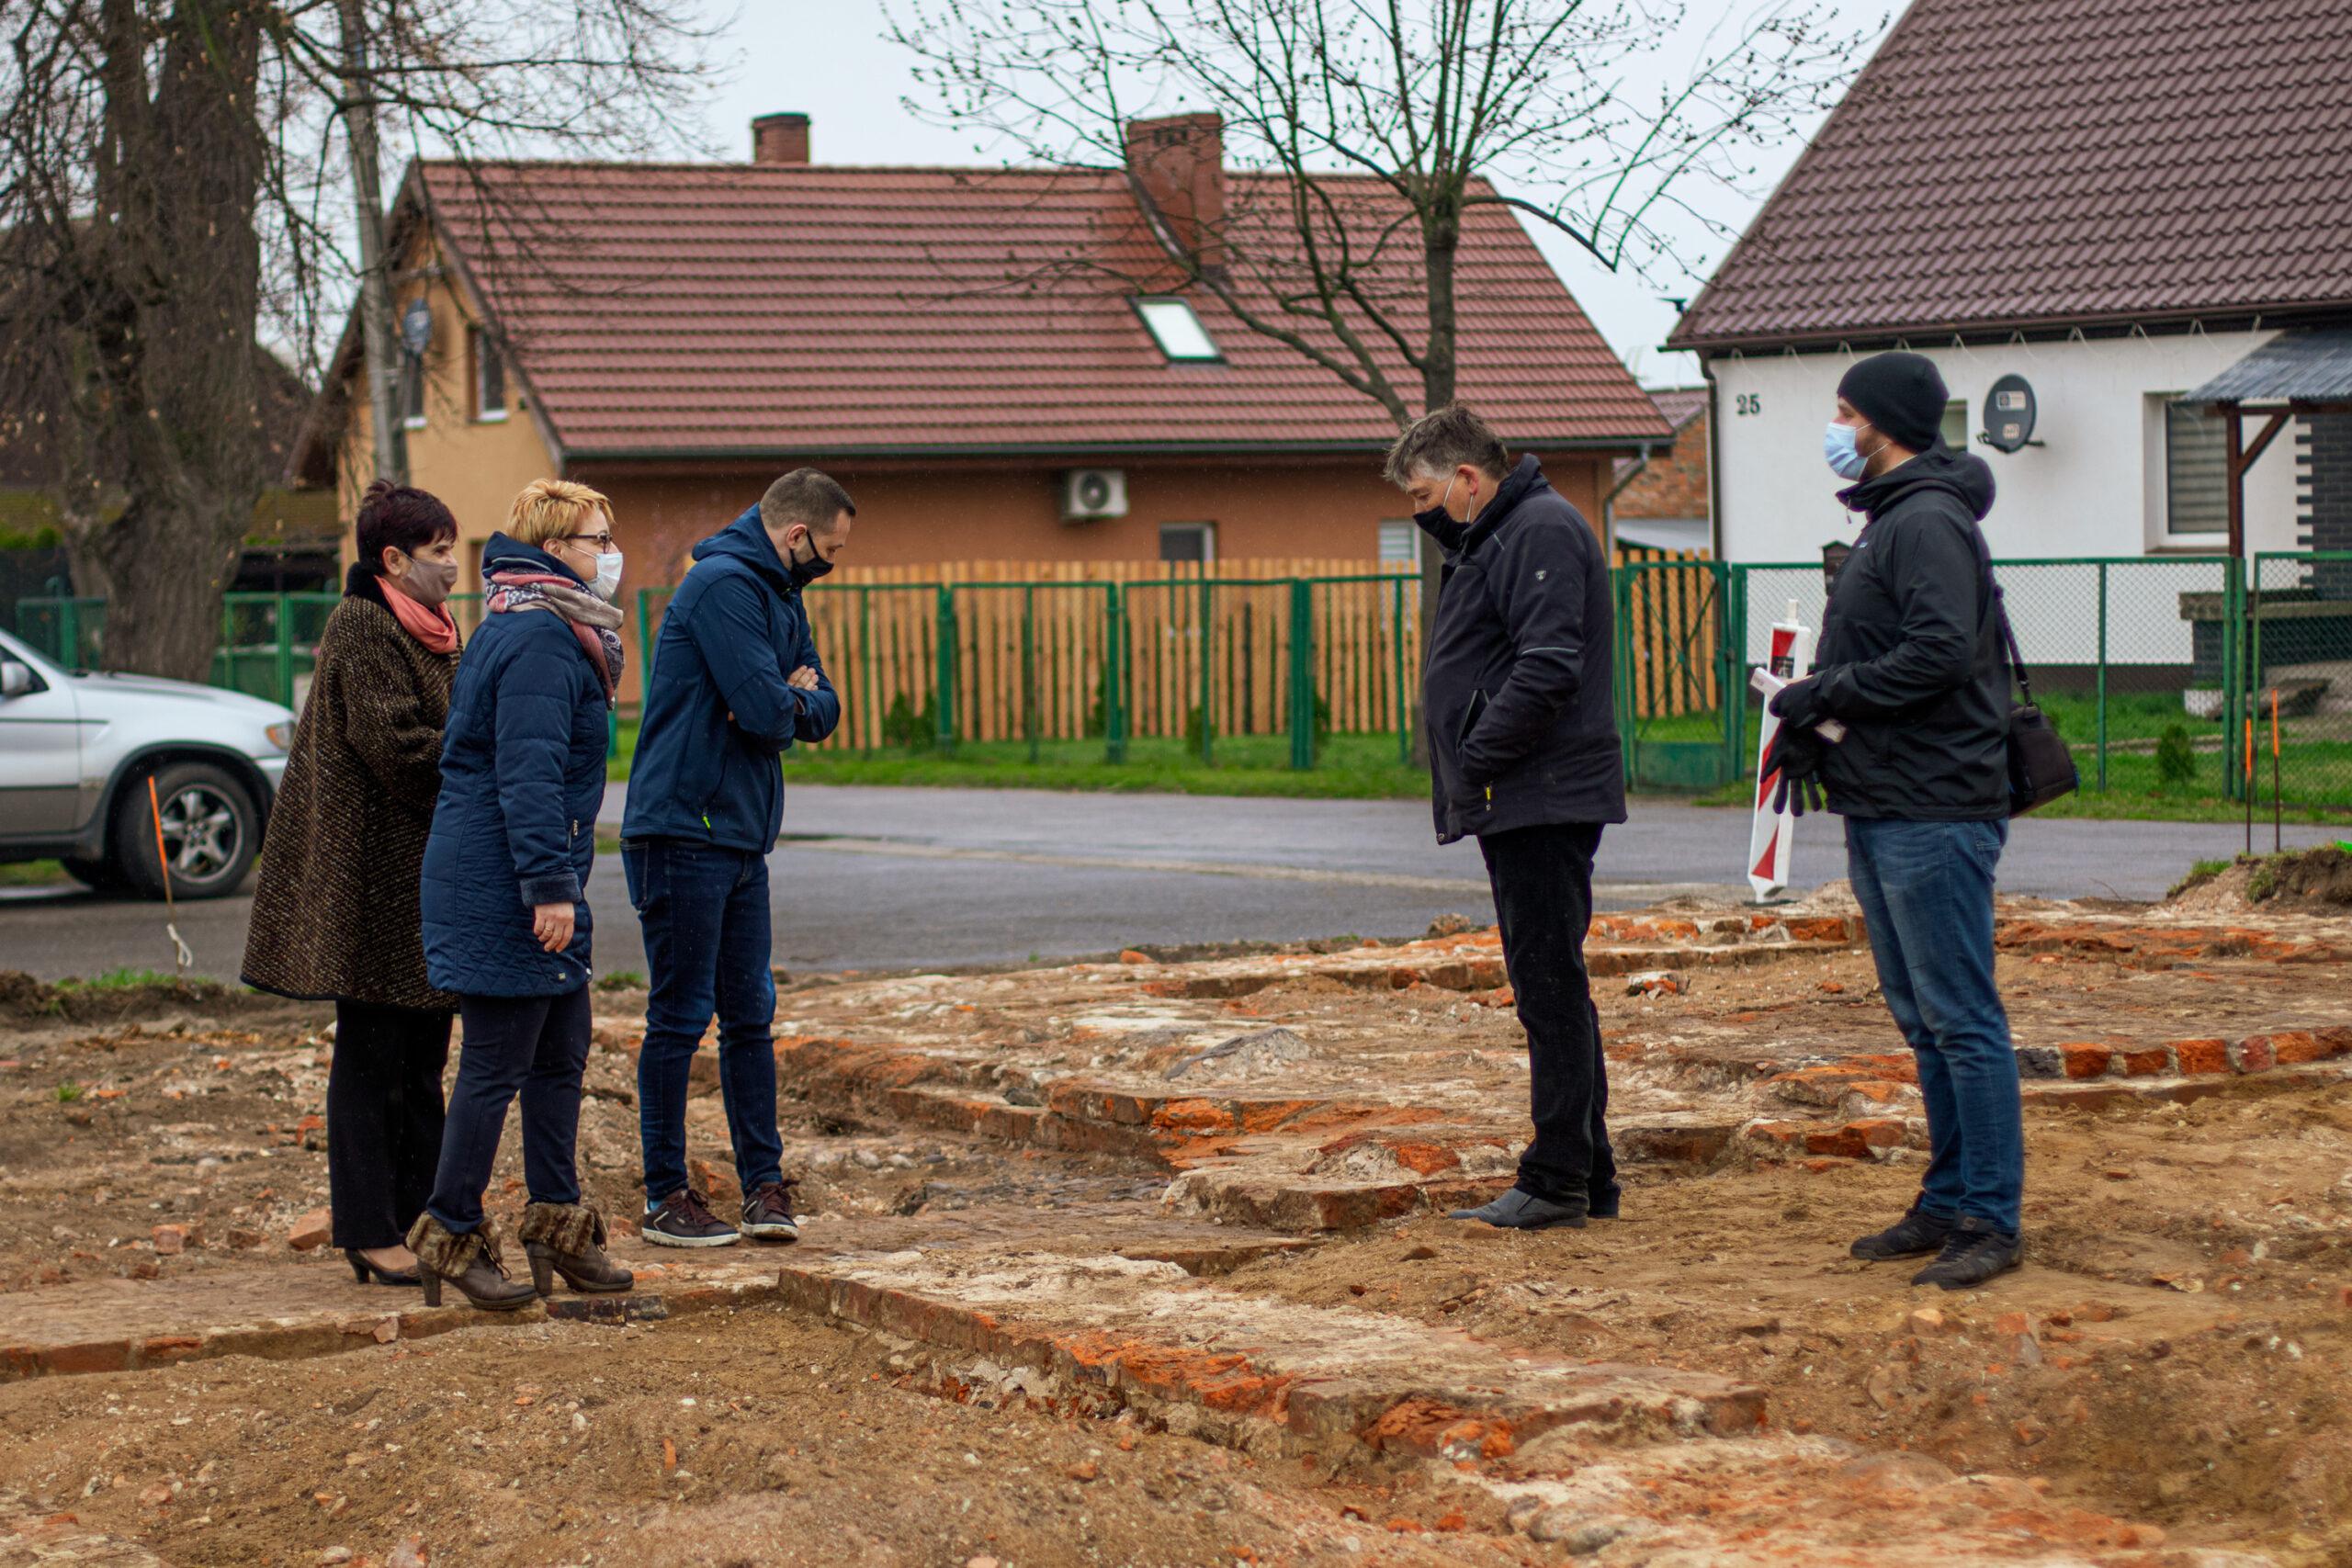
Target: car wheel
100,876
211,832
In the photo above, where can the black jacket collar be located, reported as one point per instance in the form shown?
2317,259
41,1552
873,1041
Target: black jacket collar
1523,482
361,583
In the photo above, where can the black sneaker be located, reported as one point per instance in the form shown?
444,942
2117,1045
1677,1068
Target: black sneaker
684,1220
1604,1202
1973,1253
1918,1234
1521,1211
767,1214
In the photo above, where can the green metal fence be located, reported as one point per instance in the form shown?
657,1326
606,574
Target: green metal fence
1246,672
2146,665
2155,669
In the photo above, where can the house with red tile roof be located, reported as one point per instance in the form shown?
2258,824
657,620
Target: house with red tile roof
997,363
2086,211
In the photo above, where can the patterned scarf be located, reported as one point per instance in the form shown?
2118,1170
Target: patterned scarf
595,622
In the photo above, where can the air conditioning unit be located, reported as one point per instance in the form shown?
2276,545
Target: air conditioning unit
1093,493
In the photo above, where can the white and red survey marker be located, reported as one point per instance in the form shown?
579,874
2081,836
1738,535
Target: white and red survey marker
1771,835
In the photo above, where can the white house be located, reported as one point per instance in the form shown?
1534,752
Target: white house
2117,215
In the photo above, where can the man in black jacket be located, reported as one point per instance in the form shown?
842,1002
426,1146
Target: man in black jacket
1517,698
1911,662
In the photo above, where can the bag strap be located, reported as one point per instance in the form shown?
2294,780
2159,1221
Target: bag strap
2009,640
1996,604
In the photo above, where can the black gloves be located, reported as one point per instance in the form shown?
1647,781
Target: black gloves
1796,755
1798,705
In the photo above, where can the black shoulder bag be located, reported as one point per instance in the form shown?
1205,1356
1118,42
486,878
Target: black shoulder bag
2041,767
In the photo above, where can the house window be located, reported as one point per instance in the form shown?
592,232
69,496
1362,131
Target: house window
411,390
2197,471
490,376
1176,331
1955,427
1399,542
1187,543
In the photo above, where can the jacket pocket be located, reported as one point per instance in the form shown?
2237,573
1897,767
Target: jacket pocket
1475,797
1470,717
717,790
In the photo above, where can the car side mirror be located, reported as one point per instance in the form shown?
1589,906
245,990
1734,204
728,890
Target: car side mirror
16,678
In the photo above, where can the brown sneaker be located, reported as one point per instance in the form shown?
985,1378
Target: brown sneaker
767,1214
684,1220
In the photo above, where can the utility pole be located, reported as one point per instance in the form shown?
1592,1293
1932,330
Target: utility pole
391,443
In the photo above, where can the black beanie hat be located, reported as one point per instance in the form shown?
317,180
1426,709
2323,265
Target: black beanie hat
1902,394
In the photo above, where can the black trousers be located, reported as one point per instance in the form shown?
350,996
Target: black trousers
383,1119
537,1046
1542,882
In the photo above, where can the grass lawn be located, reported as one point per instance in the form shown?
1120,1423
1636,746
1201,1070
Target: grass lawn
2316,762
1353,767
33,874
1364,767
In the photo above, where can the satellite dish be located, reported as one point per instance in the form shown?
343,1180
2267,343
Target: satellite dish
2009,412
416,328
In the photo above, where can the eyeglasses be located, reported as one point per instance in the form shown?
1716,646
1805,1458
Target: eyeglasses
602,541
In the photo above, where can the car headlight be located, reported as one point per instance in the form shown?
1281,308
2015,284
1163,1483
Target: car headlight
281,735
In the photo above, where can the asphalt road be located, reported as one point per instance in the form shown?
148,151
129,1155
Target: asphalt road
905,878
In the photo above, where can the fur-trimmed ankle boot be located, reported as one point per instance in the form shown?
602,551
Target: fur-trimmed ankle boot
568,1239
471,1262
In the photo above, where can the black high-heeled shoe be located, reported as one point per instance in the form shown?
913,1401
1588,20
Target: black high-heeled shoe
363,1270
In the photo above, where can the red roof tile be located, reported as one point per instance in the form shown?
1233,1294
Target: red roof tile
710,309
2023,162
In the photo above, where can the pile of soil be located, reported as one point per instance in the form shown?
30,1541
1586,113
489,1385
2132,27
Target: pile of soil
24,1000
2309,882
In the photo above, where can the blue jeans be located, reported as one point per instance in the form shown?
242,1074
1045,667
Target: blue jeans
535,1047
1926,890
704,914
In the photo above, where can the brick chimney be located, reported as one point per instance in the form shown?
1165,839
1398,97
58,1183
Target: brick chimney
1180,161
780,139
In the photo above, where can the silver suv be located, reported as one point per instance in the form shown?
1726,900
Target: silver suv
78,750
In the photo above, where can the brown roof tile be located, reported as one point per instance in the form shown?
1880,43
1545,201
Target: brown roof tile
709,309
2055,162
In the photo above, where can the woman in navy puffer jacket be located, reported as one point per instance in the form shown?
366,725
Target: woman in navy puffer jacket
506,922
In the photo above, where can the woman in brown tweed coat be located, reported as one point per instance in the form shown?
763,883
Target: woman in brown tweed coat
335,916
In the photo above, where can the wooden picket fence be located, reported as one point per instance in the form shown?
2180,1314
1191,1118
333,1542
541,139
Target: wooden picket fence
1068,650
1670,613
1065,650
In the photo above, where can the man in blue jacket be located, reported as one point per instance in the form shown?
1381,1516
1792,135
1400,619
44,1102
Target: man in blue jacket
1517,695
734,682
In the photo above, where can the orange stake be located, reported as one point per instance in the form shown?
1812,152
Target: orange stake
2249,784
181,957
2278,811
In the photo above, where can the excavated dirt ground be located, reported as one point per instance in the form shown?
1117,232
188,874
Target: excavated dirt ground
2164,1383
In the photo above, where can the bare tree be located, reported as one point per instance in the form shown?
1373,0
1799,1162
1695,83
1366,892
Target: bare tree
1383,123
167,173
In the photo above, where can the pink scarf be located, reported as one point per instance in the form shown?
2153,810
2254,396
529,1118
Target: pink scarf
429,624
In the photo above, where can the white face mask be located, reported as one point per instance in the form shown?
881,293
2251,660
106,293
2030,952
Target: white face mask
608,575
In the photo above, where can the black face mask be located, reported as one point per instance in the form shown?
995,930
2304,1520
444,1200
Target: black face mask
804,572
1436,517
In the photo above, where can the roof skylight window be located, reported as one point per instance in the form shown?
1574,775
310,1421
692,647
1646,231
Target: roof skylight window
1176,331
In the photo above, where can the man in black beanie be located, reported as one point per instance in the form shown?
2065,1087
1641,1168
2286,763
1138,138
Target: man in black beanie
1911,662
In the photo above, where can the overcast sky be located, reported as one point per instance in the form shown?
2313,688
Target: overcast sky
829,60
